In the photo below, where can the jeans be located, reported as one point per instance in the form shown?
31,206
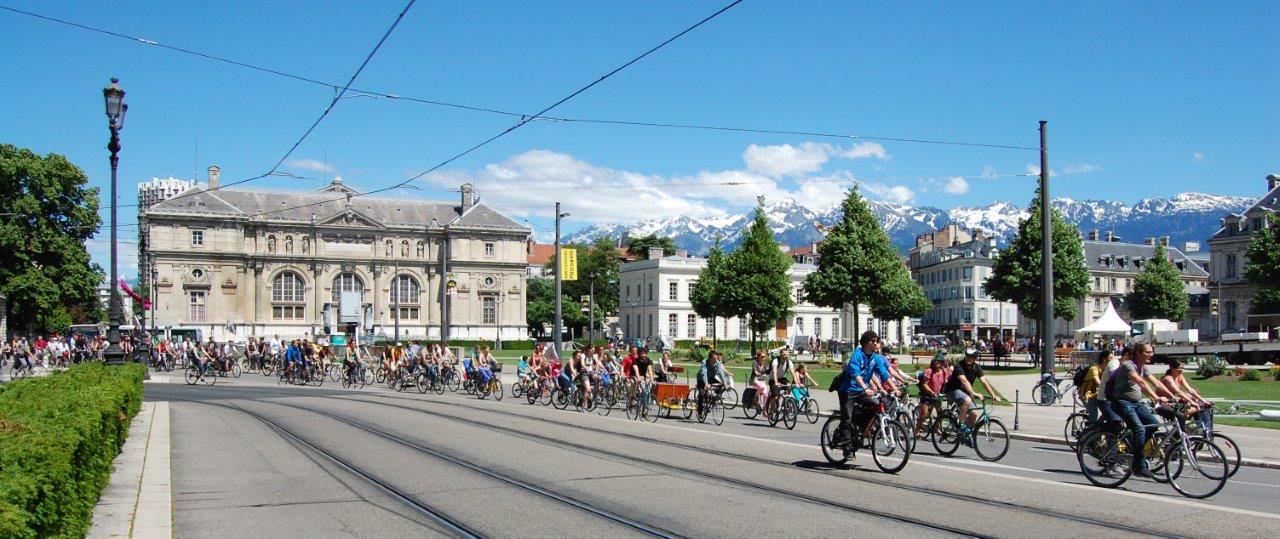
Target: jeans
851,404
1137,416
1091,410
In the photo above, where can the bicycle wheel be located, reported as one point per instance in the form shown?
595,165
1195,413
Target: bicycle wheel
633,408
811,411
517,389
1045,394
437,385
496,387
1074,427
1104,458
702,405
774,410
190,375
605,402
561,399
335,372
651,409
991,439
422,383
1197,468
789,413
235,370
379,376
1231,449
268,368
368,377
946,436
833,453
453,382
891,447
346,383
730,398
718,411
209,378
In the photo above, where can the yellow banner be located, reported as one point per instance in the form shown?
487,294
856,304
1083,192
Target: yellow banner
568,264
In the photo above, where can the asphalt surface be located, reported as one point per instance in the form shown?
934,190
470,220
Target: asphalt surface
252,458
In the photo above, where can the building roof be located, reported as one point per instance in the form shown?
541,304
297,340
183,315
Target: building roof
331,204
978,249
1269,202
1119,257
542,253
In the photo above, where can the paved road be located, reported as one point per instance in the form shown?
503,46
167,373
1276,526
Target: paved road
254,458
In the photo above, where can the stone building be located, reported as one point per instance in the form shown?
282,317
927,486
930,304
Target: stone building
1227,260
954,274
235,263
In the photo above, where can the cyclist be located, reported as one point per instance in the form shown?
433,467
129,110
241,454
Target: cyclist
781,372
1174,380
484,366
350,362
1089,390
581,370
760,373
642,372
932,381
664,367
802,377
1125,389
1167,385
858,395
959,389
293,358
896,373
711,375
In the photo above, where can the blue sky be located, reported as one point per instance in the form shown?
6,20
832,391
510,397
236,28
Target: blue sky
1143,98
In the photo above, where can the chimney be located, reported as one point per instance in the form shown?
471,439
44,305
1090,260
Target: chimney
682,253
1111,236
1151,240
468,196
1093,235
1272,181
655,253
213,176
1164,241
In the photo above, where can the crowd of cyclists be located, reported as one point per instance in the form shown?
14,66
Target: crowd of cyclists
27,356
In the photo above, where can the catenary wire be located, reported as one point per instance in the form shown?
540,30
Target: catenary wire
527,119
490,110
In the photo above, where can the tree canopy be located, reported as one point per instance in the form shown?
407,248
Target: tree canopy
597,262
1016,274
758,284
858,264
47,215
1158,291
710,296
639,246
1264,268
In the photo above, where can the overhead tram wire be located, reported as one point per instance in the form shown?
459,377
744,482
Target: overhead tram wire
526,119
338,94
490,110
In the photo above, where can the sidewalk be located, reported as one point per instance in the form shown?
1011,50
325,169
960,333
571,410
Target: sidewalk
138,502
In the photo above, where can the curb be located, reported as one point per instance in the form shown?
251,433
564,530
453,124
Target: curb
138,501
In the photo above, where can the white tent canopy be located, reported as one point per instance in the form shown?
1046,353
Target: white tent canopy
1109,323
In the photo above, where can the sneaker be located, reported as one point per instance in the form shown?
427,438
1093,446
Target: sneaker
1145,474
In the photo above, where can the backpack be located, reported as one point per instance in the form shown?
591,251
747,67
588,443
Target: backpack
1077,378
839,382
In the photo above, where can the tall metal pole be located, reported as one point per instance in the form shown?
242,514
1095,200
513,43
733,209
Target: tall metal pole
114,354
395,296
444,284
555,333
591,311
1046,248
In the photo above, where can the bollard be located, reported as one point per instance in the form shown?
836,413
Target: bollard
1016,398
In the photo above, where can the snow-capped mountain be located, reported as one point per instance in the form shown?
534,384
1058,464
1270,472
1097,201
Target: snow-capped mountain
1183,217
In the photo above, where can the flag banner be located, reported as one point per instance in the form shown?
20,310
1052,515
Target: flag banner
146,303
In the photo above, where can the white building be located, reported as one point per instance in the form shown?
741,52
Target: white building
654,303
954,279
162,189
1227,258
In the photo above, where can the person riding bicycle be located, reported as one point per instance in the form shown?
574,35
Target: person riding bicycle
350,362
484,365
857,396
760,373
1090,391
931,384
1176,383
711,375
580,369
642,371
959,389
781,372
293,358
1124,390
896,372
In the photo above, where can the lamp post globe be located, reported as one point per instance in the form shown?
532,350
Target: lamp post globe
113,95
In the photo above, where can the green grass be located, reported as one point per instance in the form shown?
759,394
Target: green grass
1262,390
1242,422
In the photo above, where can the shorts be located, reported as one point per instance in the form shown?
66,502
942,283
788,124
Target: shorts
956,395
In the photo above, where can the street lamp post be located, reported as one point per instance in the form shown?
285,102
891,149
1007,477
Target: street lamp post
113,94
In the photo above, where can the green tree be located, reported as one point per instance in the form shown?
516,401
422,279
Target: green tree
709,296
598,263
856,263
1016,273
1263,269
757,284
540,307
1157,291
639,246
47,214
900,297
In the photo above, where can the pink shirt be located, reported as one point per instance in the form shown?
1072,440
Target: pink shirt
935,379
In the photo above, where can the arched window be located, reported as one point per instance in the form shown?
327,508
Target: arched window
404,289
288,245
799,326
404,249
347,282
271,243
422,250
288,296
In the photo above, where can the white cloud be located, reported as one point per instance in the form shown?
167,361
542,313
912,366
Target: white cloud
956,186
786,160
890,193
1198,157
313,165
989,173
864,150
1034,170
1082,168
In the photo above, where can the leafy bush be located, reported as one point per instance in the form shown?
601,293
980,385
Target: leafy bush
1251,375
698,354
1210,366
60,434
1275,373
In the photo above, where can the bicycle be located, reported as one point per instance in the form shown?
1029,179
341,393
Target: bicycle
785,408
540,391
891,448
1194,466
642,405
988,436
1077,424
203,373
1205,428
494,387
806,403
710,403
1049,390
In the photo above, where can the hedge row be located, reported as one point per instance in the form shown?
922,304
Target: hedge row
58,436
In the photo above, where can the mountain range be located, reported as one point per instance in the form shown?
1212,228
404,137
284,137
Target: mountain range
1183,217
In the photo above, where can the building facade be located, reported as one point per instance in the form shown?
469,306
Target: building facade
1227,259
954,279
236,263
161,189
654,303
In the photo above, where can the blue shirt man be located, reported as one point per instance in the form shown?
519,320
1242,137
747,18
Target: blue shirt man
861,367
